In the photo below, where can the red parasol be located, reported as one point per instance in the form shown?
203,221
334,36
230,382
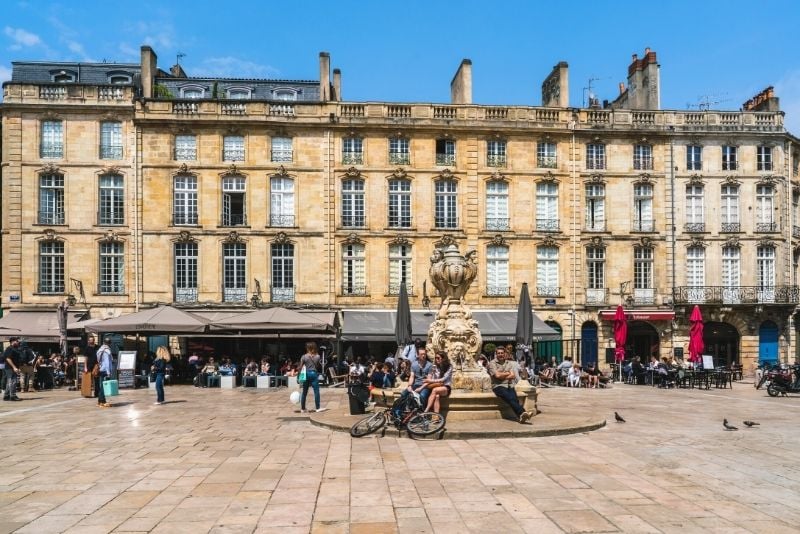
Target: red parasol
696,345
620,333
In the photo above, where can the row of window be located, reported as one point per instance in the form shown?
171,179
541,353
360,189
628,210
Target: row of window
233,149
111,208
354,278
196,92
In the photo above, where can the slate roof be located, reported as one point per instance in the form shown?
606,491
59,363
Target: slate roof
85,73
306,90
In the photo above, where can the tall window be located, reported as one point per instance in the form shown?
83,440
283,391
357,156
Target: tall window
765,209
185,272
52,140
547,207
112,268
233,201
112,200
352,151
234,275
51,267
497,271
765,273
595,275
400,268
110,140
399,204
281,209
729,208
547,272
282,272
595,156
398,151
694,158
445,152
731,273
643,157
643,292
764,158
51,199
281,149
185,147
695,215
446,205
354,278
496,153
729,159
233,148
184,200
696,273
643,208
353,214
497,206
595,207
546,155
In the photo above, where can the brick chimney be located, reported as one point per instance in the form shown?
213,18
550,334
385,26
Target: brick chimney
461,85
555,88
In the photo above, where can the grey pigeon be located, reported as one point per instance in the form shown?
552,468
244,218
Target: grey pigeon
750,424
618,417
727,426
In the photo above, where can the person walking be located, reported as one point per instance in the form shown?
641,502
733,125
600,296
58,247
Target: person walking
104,364
12,357
311,360
159,369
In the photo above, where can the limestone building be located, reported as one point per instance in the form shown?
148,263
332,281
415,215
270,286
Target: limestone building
125,185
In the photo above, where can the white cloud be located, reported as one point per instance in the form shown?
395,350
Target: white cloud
229,66
788,90
21,38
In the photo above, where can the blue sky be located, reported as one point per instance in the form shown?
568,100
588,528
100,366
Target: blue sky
721,52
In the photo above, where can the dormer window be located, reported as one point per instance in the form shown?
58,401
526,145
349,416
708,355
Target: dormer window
239,93
192,92
284,94
63,76
119,79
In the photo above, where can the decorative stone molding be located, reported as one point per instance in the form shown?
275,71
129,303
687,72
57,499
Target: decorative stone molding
353,239
50,168
765,242
353,134
400,240
233,237
185,236
446,241
50,115
645,242
732,241
111,236
281,172
696,241
398,135
48,234
446,174
597,241
110,116
399,174
767,179
696,179
645,178
595,178
499,240
352,172
547,177
730,180
548,241
231,170
497,176
282,238
110,169
233,130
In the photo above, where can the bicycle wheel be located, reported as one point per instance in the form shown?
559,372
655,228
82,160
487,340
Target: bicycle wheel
368,425
425,424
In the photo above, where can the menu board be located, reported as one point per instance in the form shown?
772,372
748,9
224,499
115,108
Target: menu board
127,359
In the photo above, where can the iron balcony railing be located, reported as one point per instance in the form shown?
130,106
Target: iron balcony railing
644,296
642,226
354,221
281,294
352,158
547,225
766,227
351,290
694,227
445,159
51,150
548,291
110,151
233,154
234,294
281,220
185,294
394,289
51,217
446,222
546,162
737,295
400,222
234,219
111,288
498,223
498,291
399,158
596,297
282,155
495,160
185,153
730,228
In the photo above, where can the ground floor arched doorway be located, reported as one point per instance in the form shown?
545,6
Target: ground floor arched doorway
721,341
643,341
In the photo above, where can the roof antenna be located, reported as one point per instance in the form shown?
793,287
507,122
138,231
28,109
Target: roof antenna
178,59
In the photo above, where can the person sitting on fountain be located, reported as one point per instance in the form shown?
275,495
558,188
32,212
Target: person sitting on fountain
503,381
416,379
440,385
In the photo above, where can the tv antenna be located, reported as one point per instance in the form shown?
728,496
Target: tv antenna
707,101
181,55
587,91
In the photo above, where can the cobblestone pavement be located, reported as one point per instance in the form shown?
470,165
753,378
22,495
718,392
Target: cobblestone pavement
245,461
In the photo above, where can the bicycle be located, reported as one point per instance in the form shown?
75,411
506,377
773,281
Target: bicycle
412,419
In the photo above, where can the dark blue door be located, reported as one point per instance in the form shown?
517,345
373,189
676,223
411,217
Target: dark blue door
588,343
768,342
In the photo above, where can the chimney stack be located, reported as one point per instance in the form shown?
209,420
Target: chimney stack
555,88
337,85
324,77
149,69
621,87
461,85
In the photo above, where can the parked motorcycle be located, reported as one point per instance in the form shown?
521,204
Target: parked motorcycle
783,383
766,372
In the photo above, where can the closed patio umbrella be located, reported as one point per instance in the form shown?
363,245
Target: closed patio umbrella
402,325
524,331
62,310
620,336
696,345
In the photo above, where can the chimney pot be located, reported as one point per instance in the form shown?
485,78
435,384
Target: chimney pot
634,57
647,50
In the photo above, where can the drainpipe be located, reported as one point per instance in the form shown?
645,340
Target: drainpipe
573,124
136,207
673,244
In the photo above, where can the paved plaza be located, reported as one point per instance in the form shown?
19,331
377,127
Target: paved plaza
246,461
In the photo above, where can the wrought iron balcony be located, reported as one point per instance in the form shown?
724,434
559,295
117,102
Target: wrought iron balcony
496,160
51,151
498,223
766,227
595,226
548,291
110,151
233,154
185,153
547,162
394,289
281,294
400,222
596,297
184,218
52,287
282,155
694,227
736,295
354,221
51,217
445,160
352,158
498,291
281,220
547,225
399,158
730,228
644,296
351,290
234,219
643,226
185,294
234,294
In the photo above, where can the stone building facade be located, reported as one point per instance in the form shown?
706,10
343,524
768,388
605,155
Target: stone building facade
132,186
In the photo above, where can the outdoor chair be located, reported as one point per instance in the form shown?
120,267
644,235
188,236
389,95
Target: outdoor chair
337,380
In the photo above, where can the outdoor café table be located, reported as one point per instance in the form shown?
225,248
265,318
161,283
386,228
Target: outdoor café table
722,378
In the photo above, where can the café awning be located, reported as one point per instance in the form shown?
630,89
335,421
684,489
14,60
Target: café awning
495,325
37,326
640,315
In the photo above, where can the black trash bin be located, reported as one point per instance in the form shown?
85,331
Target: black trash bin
359,396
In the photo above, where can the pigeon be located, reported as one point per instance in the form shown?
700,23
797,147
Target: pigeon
618,417
727,426
750,424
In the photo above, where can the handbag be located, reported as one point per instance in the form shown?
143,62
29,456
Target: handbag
302,376
96,370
